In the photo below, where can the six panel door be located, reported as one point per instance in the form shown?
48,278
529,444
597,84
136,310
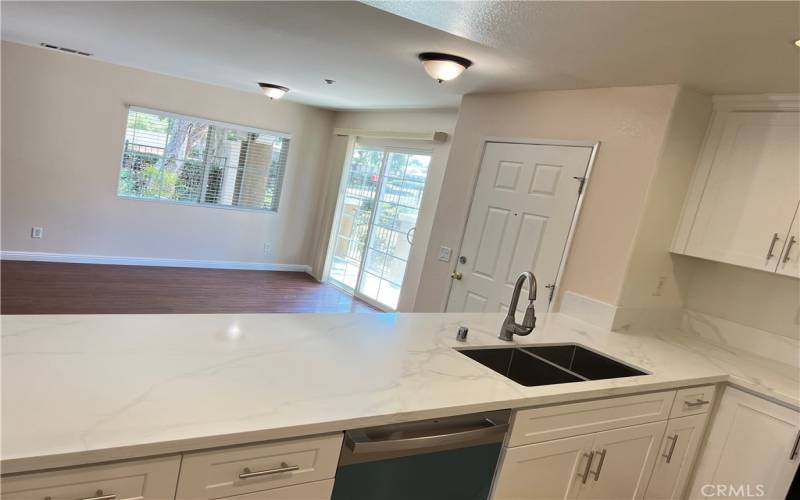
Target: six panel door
521,213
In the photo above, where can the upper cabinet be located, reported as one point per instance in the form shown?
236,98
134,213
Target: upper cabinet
743,200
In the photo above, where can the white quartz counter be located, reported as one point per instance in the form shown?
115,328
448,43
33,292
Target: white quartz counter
82,389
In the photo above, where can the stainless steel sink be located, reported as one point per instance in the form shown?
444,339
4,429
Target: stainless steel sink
550,364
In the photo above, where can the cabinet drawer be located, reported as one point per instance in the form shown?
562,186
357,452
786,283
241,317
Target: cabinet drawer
318,490
248,469
142,479
692,401
559,421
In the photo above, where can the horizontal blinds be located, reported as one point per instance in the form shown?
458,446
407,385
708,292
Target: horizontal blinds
192,160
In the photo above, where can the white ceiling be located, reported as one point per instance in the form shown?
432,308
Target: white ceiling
716,47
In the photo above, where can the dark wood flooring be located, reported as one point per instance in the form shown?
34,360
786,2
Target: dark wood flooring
57,288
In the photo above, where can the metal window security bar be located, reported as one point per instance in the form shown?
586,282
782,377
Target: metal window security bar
196,161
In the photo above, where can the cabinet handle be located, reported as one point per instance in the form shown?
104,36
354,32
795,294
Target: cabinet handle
668,455
697,402
247,473
596,473
589,456
795,451
792,240
775,239
98,496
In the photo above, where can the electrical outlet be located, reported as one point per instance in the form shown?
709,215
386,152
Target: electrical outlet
444,254
37,232
659,289
267,250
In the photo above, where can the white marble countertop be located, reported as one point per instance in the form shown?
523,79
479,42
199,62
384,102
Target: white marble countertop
82,389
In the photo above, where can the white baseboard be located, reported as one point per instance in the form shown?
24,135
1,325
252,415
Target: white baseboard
149,261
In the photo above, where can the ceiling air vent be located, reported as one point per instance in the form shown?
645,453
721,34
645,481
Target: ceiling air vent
65,49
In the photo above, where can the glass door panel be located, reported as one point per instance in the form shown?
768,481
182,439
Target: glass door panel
389,241
360,191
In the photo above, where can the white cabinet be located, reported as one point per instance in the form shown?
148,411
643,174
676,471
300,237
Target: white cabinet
610,464
752,449
745,190
548,470
153,478
674,460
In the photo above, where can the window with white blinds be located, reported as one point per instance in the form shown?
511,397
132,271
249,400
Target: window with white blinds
191,160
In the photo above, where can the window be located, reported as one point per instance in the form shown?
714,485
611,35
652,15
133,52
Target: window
196,161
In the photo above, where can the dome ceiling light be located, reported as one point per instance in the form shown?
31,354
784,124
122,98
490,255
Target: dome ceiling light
443,67
273,91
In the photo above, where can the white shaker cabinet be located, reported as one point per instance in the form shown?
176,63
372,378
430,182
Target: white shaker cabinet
790,256
676,457
751,451
745,190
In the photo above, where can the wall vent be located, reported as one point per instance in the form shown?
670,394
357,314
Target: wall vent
65,49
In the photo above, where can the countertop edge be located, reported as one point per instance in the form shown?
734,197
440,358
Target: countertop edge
160,448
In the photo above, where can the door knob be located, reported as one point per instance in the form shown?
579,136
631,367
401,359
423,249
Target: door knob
456,275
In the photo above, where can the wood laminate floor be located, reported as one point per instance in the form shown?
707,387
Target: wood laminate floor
57,288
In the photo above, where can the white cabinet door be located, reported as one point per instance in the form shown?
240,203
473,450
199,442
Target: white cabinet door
623,461
751,450
790,257
676,457
546,471
750,192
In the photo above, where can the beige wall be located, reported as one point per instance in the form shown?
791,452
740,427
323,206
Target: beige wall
629,122
650,279
64,122
415,121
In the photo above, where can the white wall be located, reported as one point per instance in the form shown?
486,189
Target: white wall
415,121
63,125
629,122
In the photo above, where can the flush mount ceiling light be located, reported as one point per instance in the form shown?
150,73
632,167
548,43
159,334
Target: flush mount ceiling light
273,91
797,42
443,67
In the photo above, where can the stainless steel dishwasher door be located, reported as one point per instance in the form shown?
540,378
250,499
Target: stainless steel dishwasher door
438,459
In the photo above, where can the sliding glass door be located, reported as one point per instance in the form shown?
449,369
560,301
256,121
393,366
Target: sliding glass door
379,207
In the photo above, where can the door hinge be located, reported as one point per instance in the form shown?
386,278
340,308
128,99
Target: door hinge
582,182
552,288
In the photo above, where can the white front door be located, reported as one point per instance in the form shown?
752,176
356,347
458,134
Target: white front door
520,218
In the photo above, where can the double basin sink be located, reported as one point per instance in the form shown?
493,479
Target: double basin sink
550,364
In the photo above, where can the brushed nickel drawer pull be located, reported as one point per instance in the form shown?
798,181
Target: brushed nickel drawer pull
775,238
697,402
795,451
247,473
668,455
792,241
585,476
98,496
600,464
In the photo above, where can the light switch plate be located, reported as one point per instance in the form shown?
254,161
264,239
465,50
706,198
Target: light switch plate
37,232
444,254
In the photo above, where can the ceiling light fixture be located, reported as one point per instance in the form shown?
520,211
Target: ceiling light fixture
443,67
273,91
797,42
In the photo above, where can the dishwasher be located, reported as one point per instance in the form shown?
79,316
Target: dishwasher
451,458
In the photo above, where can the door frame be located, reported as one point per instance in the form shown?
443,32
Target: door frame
594,145
348,159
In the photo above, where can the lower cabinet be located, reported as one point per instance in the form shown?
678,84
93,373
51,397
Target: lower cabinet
610,464
633,450
318,490
751,451
676,457
150,479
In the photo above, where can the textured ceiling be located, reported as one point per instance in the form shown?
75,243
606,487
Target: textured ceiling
716,47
